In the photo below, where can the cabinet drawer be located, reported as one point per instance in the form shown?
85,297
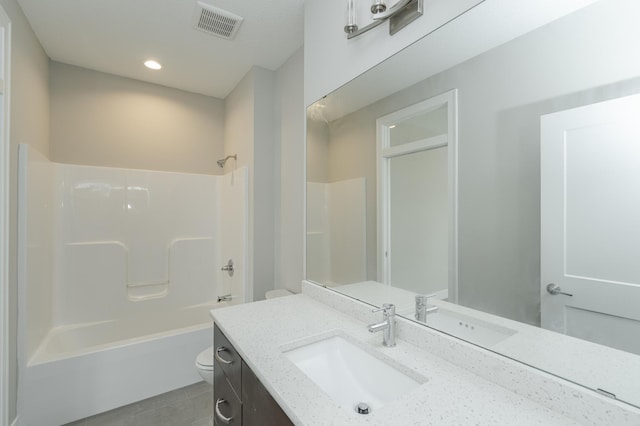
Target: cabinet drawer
227,408
227,360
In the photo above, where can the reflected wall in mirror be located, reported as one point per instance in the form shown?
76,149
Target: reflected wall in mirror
547,77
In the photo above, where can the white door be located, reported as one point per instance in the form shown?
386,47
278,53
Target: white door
590,222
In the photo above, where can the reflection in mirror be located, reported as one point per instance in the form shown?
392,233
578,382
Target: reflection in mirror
547,184
416,200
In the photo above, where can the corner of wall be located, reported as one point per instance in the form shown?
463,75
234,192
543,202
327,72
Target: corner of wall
29,86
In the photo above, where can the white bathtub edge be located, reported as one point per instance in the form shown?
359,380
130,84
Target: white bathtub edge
70,389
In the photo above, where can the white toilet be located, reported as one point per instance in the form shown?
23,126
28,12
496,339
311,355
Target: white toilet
204,364
204,361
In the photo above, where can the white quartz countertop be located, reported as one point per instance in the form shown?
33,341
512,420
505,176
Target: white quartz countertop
451,396
599,366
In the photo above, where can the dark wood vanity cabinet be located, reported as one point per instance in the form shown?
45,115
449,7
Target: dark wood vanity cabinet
238,396
227,381
259,407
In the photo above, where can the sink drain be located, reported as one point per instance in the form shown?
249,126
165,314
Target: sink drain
363,408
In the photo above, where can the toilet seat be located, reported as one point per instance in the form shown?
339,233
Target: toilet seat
272,294
205,359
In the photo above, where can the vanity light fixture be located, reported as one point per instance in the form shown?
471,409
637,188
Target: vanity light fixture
152,65
401,14
378,6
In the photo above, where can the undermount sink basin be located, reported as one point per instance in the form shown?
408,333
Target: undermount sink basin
351,375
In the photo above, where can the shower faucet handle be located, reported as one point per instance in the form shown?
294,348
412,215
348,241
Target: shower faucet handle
228,267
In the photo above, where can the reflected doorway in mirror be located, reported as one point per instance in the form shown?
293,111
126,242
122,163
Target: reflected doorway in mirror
417,197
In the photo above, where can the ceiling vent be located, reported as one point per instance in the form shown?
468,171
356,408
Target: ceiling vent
217,22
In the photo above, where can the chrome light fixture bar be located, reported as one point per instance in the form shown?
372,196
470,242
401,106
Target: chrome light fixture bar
399,16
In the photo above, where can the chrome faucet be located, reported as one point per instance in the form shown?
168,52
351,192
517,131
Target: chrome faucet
423,308
387,326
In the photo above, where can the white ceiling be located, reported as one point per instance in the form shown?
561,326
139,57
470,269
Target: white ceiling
117,36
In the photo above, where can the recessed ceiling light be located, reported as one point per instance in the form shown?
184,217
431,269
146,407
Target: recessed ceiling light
152,65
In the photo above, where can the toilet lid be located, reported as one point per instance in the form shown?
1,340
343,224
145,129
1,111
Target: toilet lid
205,359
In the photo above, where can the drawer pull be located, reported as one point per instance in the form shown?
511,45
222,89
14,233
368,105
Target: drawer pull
219,358
222,418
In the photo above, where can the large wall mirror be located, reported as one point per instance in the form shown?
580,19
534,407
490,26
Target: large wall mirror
495,198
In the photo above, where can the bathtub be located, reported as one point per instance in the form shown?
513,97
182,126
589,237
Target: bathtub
113,280
86,369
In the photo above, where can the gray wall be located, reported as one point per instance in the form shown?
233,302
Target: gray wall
30,125
104,120
501,96
264,182
249,133
289,173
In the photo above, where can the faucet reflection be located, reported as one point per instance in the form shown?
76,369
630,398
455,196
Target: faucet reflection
423,308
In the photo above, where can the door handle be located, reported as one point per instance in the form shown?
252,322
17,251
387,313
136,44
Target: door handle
555,290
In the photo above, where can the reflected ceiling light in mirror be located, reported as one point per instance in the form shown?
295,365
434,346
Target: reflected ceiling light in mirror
152,65
316,112
401,14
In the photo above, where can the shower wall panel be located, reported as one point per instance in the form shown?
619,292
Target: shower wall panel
318,261
347,232
336,233
130,239
36,235
233,190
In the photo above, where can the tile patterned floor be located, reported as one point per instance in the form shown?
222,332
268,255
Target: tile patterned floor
188,406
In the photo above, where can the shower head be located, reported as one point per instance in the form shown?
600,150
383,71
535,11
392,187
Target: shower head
222,162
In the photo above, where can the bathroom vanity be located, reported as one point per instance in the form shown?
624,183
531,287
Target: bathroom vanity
239,397
454,382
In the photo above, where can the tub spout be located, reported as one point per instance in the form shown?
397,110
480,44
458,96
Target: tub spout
225,298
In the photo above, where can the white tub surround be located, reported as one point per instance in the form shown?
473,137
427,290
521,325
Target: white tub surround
452,395
118,269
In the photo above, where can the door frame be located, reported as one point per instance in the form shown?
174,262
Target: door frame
384,153
5,154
